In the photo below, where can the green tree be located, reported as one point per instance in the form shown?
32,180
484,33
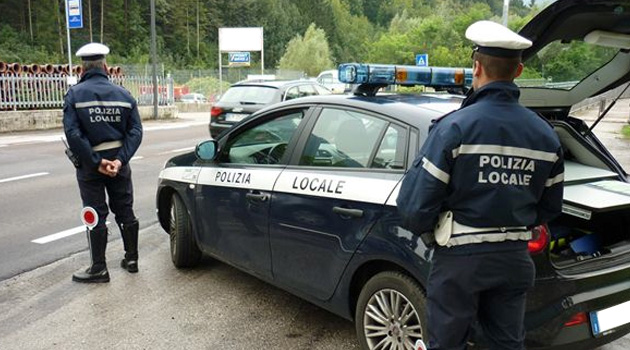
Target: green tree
350,33
309,53
281,21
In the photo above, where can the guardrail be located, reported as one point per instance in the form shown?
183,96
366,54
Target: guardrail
543,83
46,91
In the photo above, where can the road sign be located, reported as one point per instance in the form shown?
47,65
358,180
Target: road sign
422,60
74,13
238,58
89,216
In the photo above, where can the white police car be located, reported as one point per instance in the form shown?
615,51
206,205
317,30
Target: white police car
302,195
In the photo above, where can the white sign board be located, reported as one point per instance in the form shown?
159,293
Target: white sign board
241,39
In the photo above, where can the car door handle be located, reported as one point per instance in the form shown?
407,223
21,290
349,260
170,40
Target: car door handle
257,196
347,212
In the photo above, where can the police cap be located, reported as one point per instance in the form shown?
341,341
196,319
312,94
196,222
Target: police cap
493,39
92,51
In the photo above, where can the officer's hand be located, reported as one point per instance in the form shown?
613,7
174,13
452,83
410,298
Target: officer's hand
109,168
104,167
115,166
112,167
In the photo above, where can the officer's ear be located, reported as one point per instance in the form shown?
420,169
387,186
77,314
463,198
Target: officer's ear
477,69
519,70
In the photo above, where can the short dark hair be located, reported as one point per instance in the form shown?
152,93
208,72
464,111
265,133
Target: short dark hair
498,68
87,65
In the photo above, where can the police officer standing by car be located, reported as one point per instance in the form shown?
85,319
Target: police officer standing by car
103,128
487,174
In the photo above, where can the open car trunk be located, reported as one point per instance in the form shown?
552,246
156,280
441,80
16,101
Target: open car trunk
593,232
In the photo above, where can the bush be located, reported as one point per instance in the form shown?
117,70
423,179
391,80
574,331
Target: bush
208,86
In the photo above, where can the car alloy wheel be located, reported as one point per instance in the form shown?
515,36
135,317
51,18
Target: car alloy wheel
390,313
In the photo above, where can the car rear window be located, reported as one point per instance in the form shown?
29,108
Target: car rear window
562,65
249,94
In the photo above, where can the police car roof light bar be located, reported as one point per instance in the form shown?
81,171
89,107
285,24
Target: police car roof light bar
374,76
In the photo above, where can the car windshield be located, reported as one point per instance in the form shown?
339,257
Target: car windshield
249,94
564,65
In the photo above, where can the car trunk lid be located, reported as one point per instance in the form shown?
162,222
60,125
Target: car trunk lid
580,49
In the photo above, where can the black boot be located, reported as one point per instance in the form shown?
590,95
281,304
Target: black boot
130,241
97,272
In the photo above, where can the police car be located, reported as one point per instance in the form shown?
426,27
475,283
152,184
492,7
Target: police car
302,194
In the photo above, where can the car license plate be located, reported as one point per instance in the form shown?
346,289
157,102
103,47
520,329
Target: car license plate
235,117
612,317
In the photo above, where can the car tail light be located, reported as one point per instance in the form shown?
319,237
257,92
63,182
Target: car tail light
579,318
539,241
215,111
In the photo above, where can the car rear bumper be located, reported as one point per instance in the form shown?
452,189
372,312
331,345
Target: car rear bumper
546,327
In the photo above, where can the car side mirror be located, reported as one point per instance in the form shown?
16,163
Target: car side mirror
207,150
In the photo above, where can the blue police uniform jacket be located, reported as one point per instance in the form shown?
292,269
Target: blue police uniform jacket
493,163
97,111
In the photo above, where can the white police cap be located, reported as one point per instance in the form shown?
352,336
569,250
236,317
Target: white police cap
493,39
92,51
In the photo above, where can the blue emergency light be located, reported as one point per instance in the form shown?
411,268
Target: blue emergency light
385,74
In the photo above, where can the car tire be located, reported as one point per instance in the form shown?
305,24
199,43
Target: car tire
377,323
184,250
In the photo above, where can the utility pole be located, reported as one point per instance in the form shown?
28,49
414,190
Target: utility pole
102,13
90,19
197,29
154,61
187,32
506,7
30,20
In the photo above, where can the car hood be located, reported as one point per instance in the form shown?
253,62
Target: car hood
589,28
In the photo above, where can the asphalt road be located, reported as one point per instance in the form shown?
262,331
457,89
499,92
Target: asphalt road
213,306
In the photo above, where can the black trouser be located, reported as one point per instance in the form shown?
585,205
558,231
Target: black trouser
93,186
488,287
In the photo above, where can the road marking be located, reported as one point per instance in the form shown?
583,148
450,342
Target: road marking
179,150
174,126
60,235
22,177
136,158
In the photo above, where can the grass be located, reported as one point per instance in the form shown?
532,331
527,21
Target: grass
625,131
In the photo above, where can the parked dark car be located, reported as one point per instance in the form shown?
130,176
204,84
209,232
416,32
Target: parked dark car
247,97
303,195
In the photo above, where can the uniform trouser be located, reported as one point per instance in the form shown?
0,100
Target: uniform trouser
94,186
488,287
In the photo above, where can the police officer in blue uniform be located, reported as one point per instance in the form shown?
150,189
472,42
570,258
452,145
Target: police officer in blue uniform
487,174
103,129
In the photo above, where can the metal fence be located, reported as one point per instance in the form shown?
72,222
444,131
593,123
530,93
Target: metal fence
45,91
